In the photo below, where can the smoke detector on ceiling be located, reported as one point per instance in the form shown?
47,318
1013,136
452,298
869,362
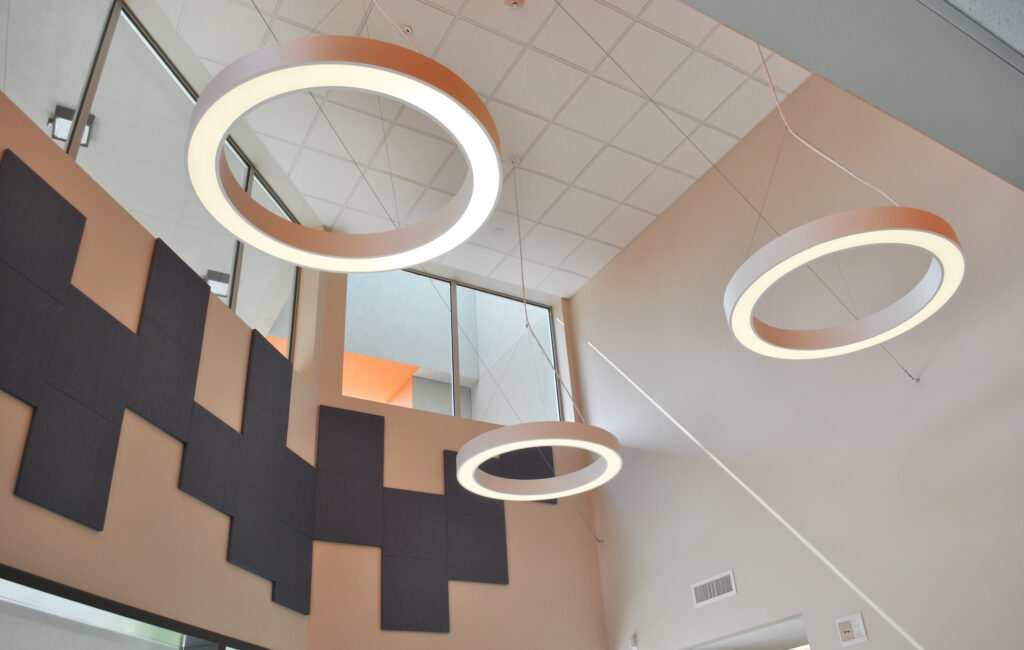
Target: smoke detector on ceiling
514,3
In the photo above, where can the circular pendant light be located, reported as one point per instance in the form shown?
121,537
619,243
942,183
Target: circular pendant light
350,63
534,435
832,234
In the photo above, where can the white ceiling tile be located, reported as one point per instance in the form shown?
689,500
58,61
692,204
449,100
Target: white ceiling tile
632,7
539,84
326,211
700,85
520,23
733,47
622,227
516,130
648,56
600,109
286,31
659,190
430,201
536,194
561,153
412,155
604,24
344,20
307,12
172,9
610,71
787,75
429,24
452,174
614,173
286,118
549,245
283,153
683,122
479,56
499,231
562,283
202,27
714,144
370,103
325,177
578,211
649,134
450,5
688,160
473,258
420,121
213,67
397,196
589,258
508,271
564,38
744,109
355,222
678,19
346,133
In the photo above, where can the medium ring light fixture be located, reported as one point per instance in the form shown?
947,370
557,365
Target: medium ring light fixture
351,63
832,234
532,435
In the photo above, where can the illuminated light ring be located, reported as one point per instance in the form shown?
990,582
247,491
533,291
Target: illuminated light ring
832,234
533,435
356,64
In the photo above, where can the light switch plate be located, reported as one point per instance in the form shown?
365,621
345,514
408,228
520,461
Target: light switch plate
851,629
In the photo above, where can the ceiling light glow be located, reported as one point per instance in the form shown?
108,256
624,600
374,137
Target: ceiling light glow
531,435
358,64
833,234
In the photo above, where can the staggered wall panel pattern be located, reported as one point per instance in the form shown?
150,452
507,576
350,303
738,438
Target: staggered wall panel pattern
80,368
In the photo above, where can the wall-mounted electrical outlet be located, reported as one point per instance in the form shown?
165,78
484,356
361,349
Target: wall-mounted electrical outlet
851,629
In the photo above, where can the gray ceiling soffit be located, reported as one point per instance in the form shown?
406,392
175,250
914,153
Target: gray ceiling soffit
903,58
973,26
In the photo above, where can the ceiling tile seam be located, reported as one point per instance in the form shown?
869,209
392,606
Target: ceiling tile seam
522,52
727,98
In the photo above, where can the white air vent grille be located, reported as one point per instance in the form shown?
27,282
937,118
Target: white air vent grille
714,588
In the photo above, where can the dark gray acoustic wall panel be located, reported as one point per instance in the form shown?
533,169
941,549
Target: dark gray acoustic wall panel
349,476
414,594
29,319
170,342
525,464
68,462
414,524
39,230
477,549
267,489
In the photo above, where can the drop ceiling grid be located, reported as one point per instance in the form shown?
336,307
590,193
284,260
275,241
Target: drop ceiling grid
658,176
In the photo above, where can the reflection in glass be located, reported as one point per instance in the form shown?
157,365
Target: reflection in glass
135,153
266,286
505,372
46,51
398,340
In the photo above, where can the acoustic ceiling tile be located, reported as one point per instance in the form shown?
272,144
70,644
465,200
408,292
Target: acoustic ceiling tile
539,84
479,56
733,47
648,56
614,174
659,190
622,227
700,85
600,109
589,258
561,153
579,211
678,19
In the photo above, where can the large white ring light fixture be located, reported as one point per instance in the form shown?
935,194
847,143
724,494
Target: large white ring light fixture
831,234
356,64
532,435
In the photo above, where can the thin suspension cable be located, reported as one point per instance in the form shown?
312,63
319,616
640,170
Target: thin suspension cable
326,16
778,105
764,504
522,285
715,166
396,25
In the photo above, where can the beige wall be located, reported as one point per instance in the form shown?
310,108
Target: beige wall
910,489
163,551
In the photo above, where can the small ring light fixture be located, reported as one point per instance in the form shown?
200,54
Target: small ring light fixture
351,63
832,234
532,435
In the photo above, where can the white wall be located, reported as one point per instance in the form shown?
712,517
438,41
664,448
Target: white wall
911,489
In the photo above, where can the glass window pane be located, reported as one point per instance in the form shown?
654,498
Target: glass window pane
266,296
398,340
267,200
137,153
46,51
501,366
